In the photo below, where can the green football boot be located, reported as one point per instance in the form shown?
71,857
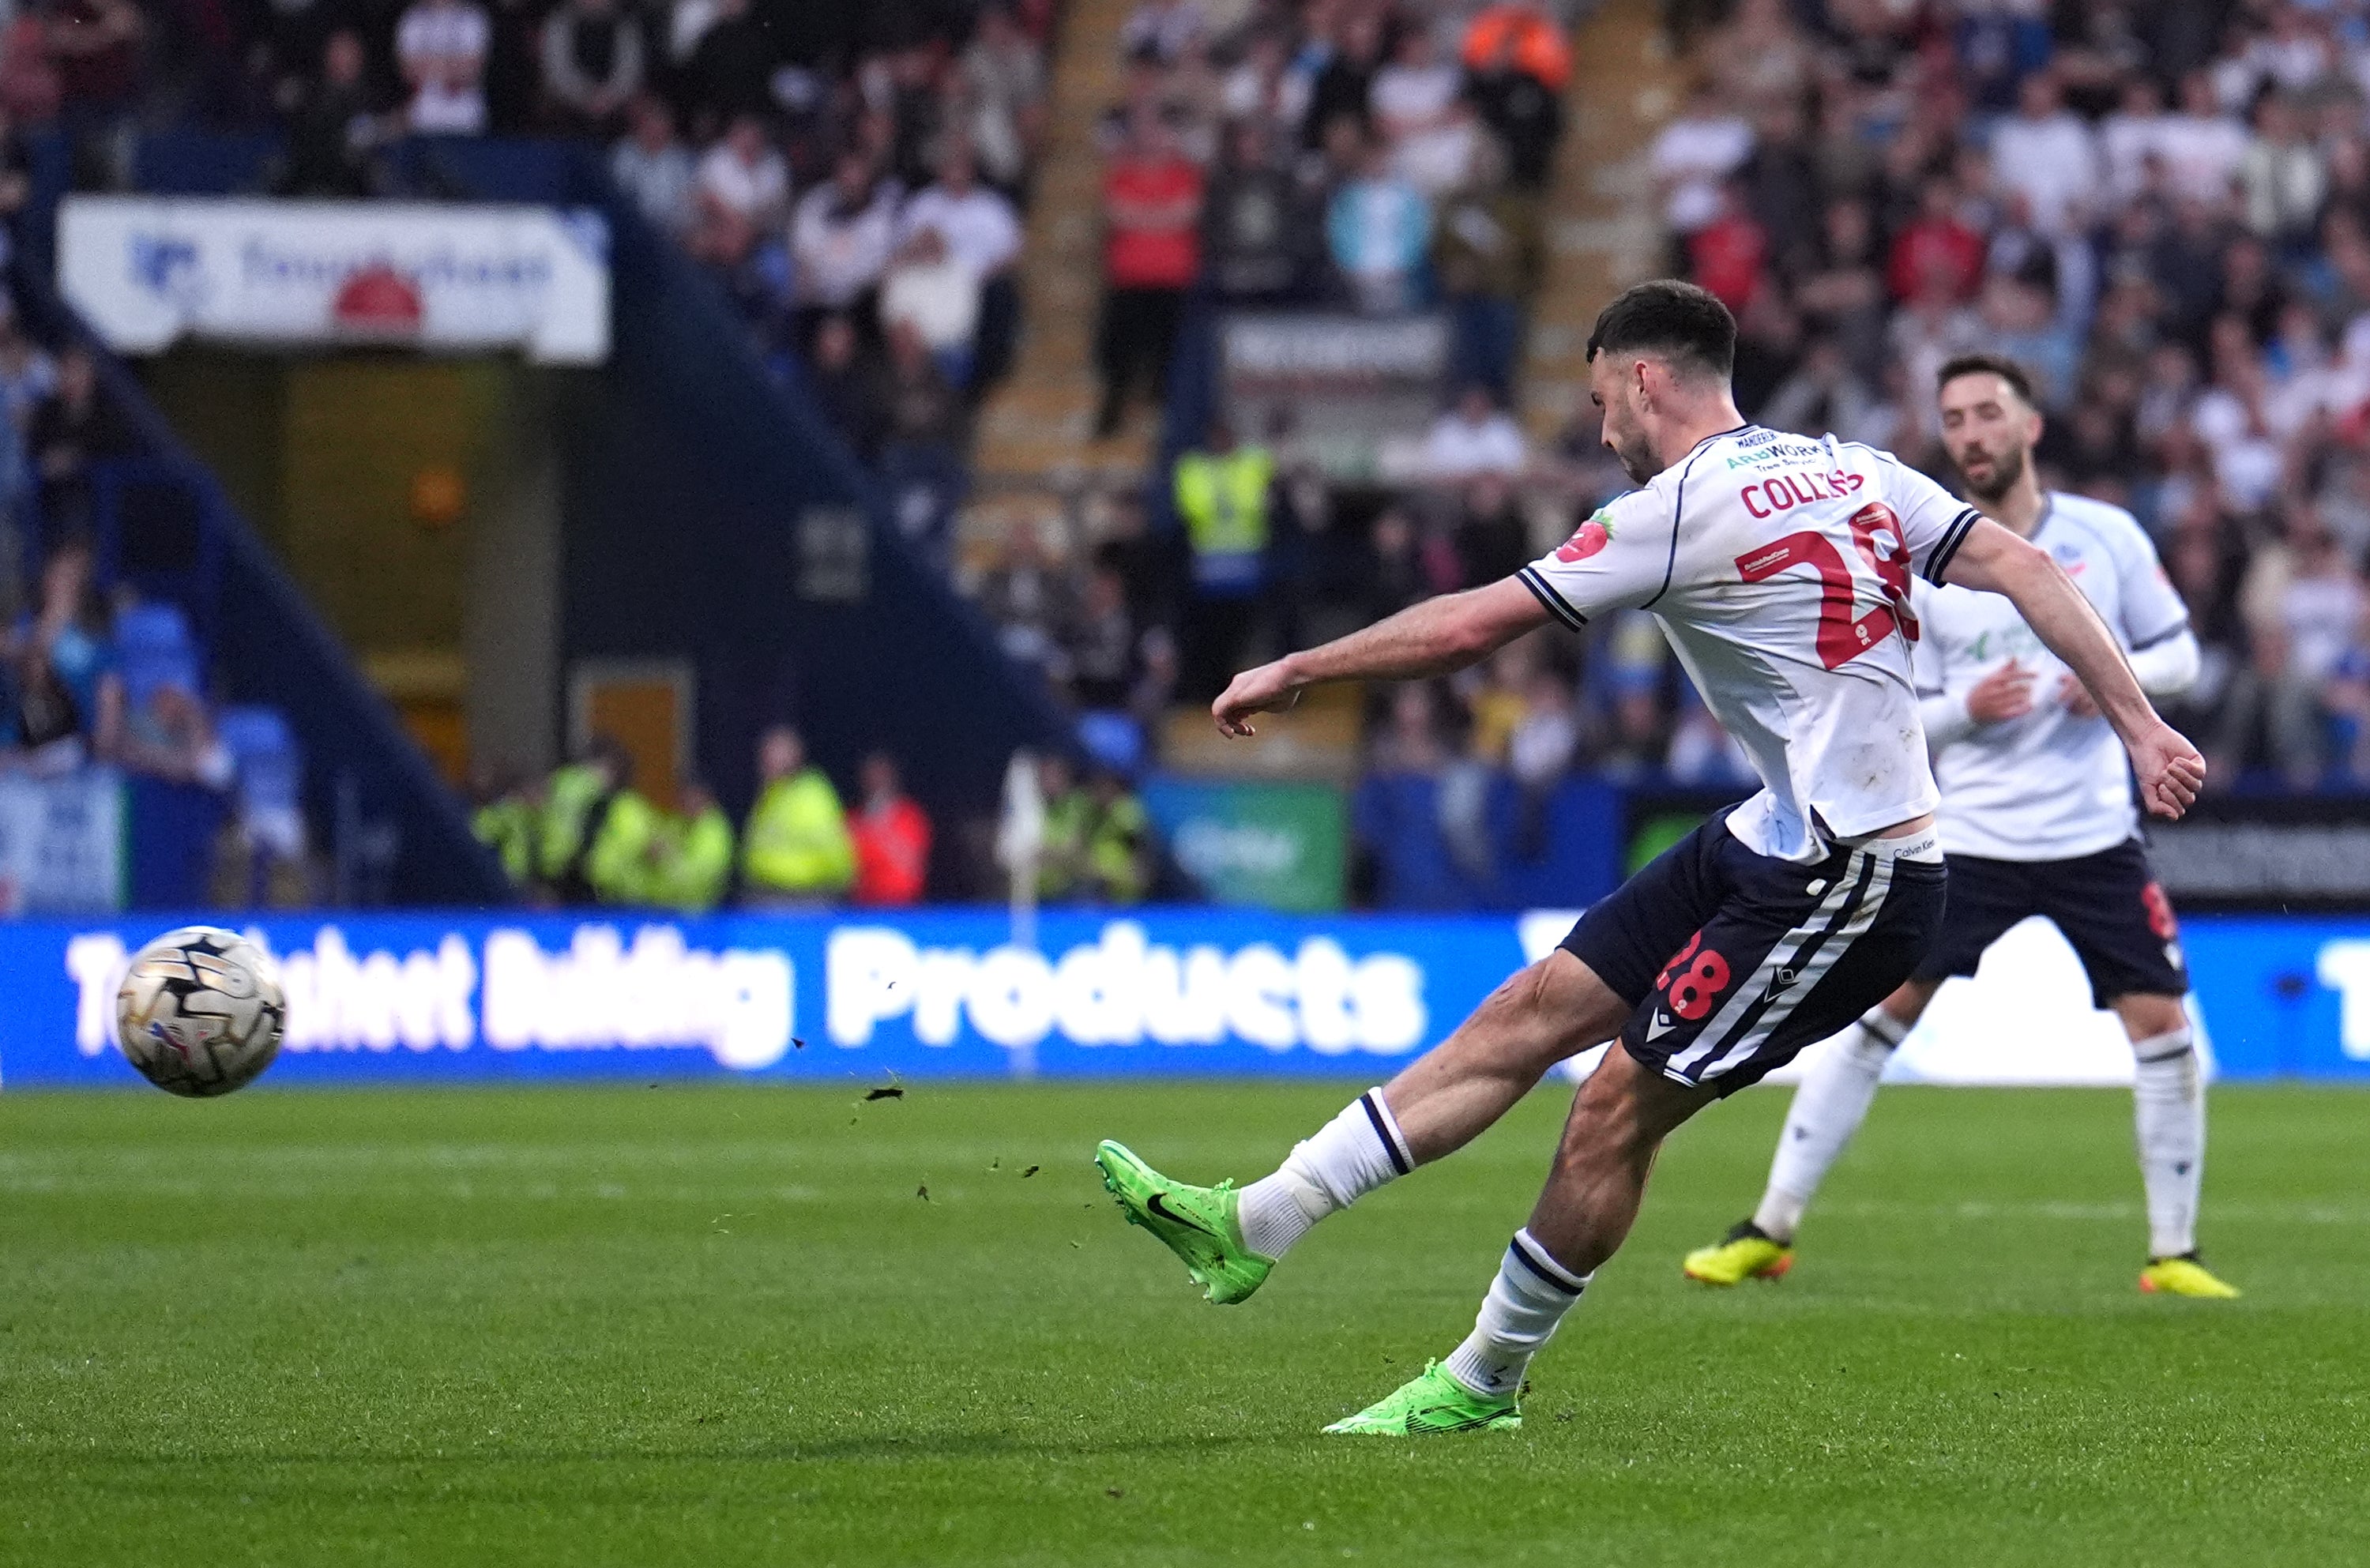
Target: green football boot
1429,1406
1198,1224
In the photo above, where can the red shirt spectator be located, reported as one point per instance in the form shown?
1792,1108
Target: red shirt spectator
1152,199
892,839
1727,255
1936,243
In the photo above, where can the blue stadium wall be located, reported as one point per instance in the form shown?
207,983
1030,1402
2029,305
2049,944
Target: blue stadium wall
854,998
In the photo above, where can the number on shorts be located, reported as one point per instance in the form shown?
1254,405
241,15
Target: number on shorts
1693,980
2159,912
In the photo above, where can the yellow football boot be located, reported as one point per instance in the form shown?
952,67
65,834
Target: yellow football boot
2184,1276
1746,1252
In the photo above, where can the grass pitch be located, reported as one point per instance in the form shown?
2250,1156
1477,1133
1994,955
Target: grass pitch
721,1326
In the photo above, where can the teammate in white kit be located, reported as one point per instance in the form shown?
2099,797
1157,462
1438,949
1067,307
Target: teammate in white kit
2037,819
1780,568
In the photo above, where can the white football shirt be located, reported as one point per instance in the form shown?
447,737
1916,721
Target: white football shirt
1780,568
2049,786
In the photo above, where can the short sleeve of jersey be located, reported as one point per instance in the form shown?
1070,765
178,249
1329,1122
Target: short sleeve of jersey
2152,609
1934,523
1619,559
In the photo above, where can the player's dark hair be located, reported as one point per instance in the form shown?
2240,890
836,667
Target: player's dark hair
1678,322
2006,369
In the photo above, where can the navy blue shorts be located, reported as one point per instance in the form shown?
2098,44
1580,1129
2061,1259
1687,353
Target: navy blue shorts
1736,962
2108,905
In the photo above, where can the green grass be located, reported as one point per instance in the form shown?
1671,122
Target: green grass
719,1326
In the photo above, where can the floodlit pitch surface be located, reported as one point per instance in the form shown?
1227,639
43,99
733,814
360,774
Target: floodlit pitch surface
721,1326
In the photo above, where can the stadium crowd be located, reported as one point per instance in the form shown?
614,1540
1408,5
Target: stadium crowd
2163,212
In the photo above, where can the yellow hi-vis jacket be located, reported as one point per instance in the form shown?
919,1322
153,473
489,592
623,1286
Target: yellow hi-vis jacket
797,841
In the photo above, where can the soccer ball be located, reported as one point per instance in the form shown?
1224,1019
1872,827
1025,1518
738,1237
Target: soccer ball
199,1012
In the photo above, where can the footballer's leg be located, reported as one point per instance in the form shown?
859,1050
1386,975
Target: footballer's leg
1230,1239
2169,1124
1576,998
1836,1094
2122,927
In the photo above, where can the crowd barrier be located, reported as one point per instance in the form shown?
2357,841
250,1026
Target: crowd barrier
856,998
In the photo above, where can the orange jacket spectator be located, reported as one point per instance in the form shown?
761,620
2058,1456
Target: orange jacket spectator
1527,35
892,839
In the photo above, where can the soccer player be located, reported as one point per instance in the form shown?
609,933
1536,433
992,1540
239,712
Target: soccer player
2037,819
1780,568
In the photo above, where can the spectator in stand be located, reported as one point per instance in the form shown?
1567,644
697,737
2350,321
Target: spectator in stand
1936,249
336,131
2048,154
1005,70
71,429
68,697
1516,102
1031,601
655,170
846,387
441,46
2202,147
842,235
1152,212
982,231
1260,220
690,858
1378,228
928,289
2284,178
1223,495
1493,538
1694,154
1473,436
743,187
1342,86
922,442
1419,113
1102,652
795,852
95,47
1487,257
592,65
1730,255
891,835
171,736
1395,816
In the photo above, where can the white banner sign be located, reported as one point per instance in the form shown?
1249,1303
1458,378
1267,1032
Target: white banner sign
147,270
61,843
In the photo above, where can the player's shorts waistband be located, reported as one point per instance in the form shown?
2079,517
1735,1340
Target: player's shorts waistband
1924,845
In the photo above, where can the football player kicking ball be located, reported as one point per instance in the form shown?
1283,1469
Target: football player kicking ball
2037,819
1780,568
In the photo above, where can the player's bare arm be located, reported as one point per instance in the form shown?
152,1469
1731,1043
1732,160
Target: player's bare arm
1993,559
1436,637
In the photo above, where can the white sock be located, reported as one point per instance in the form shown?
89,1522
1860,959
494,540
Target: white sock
1525,1302
1828,1109
2168,1114
1342,1161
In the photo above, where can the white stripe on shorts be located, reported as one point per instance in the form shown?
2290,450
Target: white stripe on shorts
1806,980
1742,998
